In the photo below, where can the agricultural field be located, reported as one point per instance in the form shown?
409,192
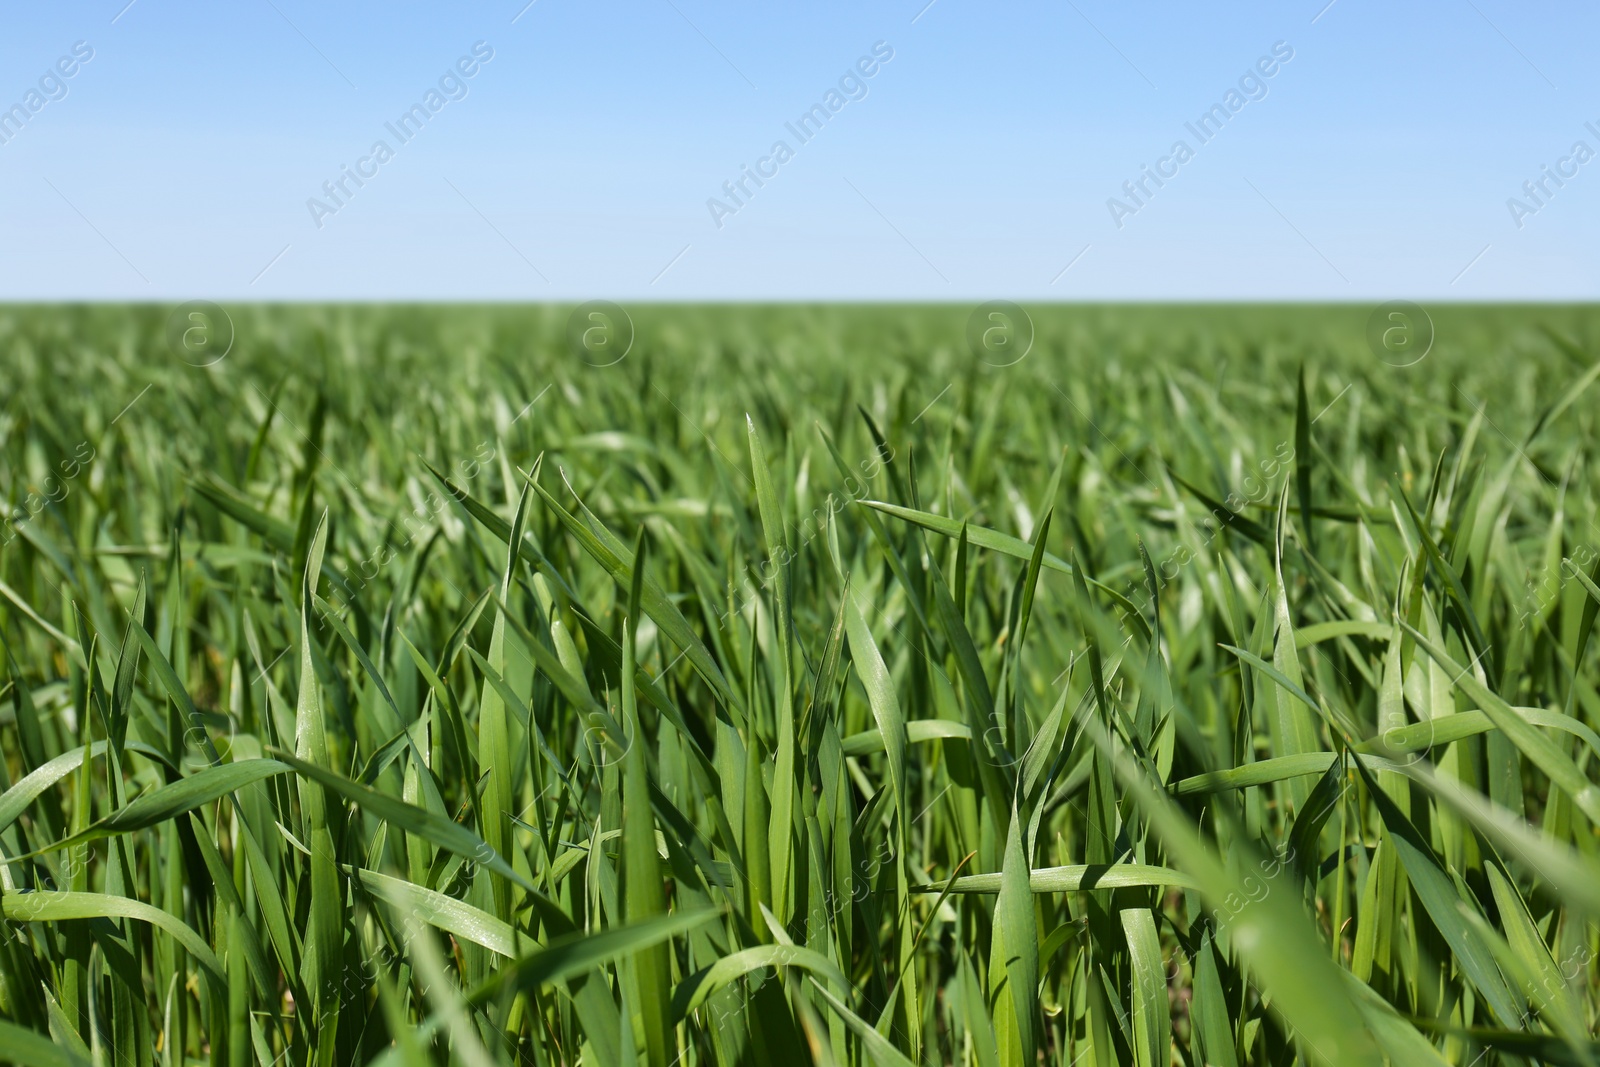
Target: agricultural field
799,685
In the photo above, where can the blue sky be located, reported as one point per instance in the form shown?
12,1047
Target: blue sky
178,161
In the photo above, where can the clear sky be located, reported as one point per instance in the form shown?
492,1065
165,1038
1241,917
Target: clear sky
187,156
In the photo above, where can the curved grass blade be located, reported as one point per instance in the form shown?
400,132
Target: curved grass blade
1540,750
1443,899
598,543
1074,878
170,801
694,990
877,1047
1272,933
43,906
22,794
578,953
451,836
446,913
1007,545
29,1048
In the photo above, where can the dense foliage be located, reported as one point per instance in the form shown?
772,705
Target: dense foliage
799,688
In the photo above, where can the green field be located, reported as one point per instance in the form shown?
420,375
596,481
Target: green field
404,687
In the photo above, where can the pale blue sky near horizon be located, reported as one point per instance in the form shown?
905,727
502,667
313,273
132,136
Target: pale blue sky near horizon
177,163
